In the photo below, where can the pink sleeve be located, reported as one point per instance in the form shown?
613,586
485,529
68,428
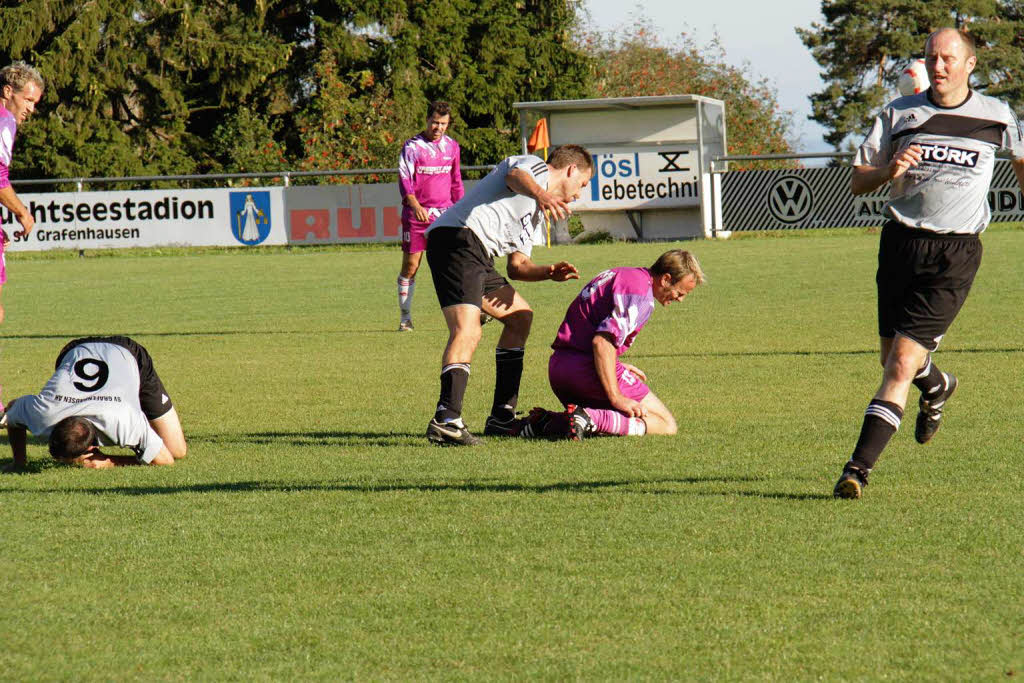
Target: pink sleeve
407,170
458,191
5,180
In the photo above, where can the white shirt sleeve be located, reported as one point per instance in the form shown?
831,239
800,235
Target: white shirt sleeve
876,150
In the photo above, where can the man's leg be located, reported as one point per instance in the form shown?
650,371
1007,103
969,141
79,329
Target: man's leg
508,306
168,428
447,427
406,287
884,413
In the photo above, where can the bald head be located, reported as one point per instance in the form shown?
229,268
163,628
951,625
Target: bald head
965,39
949,59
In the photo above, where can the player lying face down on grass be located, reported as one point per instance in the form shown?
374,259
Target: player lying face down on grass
603,393
104,392
499,216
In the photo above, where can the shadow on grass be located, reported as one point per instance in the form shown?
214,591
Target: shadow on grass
637,487
67,336
417,487
805,352
331,438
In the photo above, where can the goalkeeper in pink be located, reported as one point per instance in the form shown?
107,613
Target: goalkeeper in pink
599,327
430,181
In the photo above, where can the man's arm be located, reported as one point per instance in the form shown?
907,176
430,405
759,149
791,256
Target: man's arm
458,190
100,461
17,436
418,209
604,364
521,182
9,199
520,267
869,178
1018,170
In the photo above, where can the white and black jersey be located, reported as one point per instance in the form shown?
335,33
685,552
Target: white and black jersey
503,220
948,191
99,381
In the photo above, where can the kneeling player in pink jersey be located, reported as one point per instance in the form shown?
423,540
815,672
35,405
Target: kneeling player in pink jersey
610,396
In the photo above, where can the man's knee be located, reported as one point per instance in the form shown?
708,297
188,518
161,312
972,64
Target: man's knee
902,367
662,423
519,322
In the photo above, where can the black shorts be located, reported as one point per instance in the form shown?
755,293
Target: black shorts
462,271
923,281
151,389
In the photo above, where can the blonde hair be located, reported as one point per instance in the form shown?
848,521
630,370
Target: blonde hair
18,75
678,263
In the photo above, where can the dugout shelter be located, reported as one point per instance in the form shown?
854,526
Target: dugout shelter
652,156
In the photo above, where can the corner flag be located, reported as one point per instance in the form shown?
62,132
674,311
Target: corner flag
539,140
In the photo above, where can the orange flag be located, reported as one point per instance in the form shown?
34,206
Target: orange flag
539,139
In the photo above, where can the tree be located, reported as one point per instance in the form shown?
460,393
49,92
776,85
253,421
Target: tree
864,45
134,87
150,87
635,61
374,71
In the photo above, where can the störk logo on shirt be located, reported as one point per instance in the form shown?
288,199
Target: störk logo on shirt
944,154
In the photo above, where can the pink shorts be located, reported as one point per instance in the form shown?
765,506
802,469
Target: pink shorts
413,241
574,380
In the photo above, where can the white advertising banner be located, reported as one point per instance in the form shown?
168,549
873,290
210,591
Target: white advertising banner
150,218
642,178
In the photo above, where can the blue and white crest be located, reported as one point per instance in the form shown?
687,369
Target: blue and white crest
250,216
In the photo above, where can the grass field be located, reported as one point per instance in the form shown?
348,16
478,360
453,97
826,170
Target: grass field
312,533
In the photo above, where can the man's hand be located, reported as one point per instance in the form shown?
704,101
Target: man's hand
628,406
553,207
27,223
905,160
4,239
636,371
422,215
562,271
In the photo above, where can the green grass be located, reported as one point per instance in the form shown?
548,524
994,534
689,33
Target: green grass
313,533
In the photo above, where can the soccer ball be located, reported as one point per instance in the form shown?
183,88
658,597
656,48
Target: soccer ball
914,78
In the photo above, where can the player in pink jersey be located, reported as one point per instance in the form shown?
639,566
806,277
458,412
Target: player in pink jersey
21,86
612,397
430,180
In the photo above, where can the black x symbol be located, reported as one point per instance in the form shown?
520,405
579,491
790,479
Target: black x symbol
670,161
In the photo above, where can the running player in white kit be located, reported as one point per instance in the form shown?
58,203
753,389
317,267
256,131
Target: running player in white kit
104,392
937,148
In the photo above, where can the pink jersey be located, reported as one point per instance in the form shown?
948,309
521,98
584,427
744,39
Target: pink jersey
618,302
431,171
8,129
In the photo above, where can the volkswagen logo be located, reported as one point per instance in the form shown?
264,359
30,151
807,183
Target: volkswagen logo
790,199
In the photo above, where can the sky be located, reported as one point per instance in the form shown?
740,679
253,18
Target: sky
760,32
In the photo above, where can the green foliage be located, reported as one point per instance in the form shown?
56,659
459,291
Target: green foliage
134,87
312,534
175,86
864,45
635,61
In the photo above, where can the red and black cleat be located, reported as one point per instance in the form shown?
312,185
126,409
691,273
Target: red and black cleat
570,425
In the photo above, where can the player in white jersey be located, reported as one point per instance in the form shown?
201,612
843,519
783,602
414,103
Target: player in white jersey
104,392
499,216
937,148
